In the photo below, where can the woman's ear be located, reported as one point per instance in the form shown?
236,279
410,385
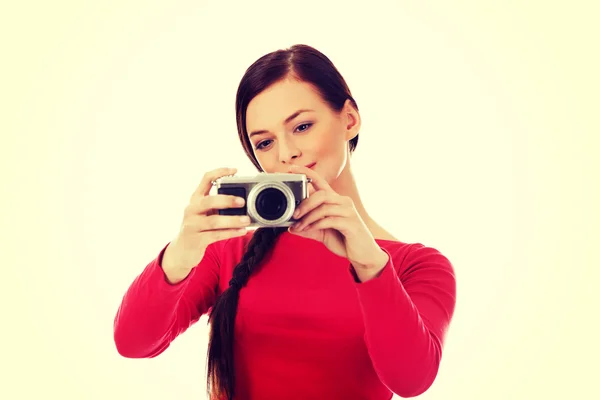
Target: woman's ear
351,120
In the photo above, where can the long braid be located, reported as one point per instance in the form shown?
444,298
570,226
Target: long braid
221,379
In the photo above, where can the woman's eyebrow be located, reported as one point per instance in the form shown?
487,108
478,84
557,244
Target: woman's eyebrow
287,120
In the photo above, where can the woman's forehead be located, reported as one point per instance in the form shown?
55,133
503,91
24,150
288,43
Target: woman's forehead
279,101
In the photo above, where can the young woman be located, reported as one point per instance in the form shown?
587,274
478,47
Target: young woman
333,307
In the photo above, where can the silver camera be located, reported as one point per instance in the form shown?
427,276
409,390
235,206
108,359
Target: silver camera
271,198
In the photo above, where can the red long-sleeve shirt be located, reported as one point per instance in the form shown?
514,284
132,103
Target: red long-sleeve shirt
305,328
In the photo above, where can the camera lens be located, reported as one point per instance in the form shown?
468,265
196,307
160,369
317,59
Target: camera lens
271,204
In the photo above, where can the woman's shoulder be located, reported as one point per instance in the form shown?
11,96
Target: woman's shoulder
411,250
417,259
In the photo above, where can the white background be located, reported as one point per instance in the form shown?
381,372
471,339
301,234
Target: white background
478,138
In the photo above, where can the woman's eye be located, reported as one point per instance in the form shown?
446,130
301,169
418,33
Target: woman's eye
262,144
301,128
308,125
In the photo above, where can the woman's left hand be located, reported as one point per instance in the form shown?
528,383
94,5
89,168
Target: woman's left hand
333,220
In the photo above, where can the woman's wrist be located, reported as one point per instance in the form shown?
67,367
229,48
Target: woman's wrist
371,268
174,272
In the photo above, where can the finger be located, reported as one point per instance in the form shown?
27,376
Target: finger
205,185
312,202
333,222
204,223
323,211
205,204
317,181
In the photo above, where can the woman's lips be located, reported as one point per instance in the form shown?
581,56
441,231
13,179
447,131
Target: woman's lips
311,165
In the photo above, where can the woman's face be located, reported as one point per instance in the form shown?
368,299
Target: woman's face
289,123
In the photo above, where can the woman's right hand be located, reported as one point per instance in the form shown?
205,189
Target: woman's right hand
201,226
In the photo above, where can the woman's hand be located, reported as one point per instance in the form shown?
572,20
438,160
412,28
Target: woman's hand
202,225
333,220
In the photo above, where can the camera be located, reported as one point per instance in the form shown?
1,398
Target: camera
271,198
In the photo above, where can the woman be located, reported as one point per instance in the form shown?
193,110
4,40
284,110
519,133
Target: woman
333,307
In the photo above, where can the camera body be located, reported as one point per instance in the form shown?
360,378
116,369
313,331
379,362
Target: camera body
271,198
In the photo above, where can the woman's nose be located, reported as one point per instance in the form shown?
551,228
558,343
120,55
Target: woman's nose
287,151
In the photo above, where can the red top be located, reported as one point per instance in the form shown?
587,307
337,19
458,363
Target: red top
305,329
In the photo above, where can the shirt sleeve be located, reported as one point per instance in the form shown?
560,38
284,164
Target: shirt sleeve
406,316
153,312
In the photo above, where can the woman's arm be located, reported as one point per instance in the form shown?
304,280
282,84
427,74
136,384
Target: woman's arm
406,316
154,312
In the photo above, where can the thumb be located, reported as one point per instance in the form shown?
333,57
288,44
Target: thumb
293,232
309,235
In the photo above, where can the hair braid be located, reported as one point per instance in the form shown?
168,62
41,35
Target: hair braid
221,379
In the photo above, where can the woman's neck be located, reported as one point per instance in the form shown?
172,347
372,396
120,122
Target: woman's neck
345,185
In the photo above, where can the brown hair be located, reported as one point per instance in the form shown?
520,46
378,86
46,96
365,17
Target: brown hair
306,64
